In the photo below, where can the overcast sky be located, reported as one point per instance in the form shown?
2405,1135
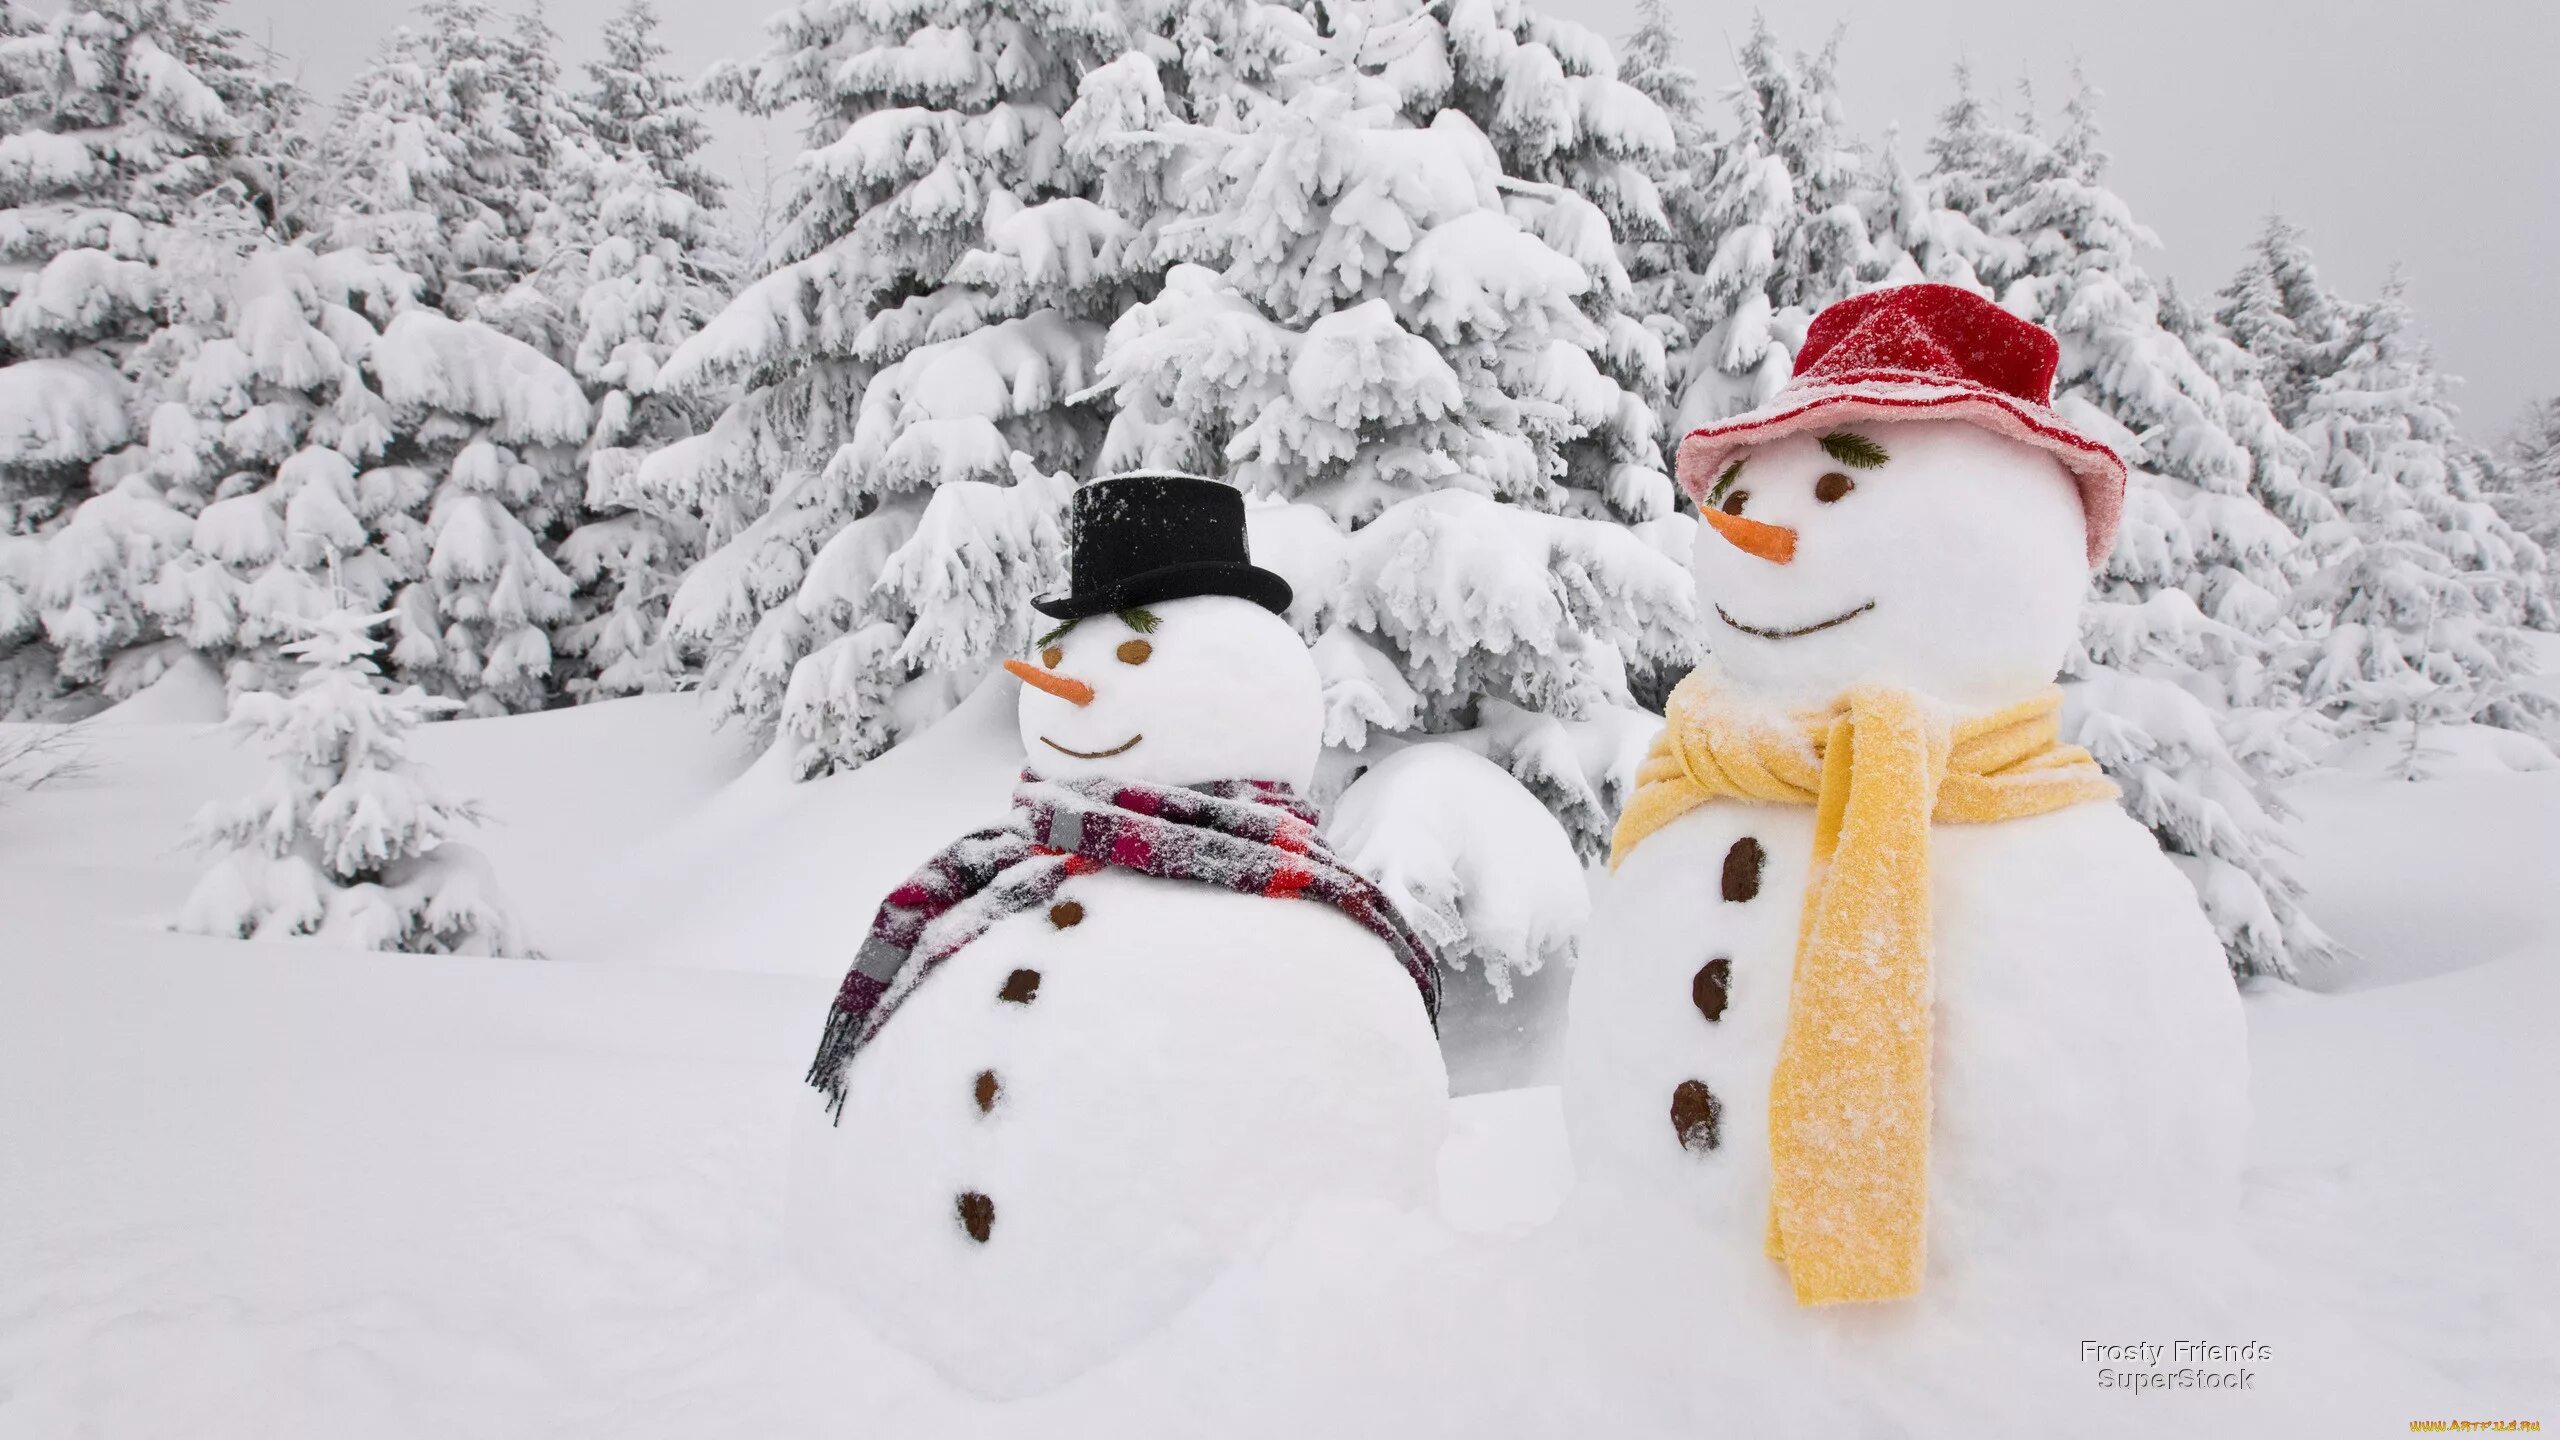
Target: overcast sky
2426,135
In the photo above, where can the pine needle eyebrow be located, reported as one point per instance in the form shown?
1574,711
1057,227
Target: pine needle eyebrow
1853,450
1053,637
1142,621
1723,483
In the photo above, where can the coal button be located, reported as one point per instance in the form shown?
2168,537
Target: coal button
977,1216
1066,913
988,1088
1742,869
1709,989
1695,1115
1020,986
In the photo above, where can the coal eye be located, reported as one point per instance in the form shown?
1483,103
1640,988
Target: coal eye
1052,656
1733,502
1134,652
1832,486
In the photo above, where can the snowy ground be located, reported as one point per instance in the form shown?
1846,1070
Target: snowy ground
278,1190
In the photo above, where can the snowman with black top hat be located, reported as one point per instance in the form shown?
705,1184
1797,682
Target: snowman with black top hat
1086,1060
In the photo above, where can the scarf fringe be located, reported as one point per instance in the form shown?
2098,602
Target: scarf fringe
836,1045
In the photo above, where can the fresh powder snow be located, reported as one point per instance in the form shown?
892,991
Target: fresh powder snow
496,587
554,1201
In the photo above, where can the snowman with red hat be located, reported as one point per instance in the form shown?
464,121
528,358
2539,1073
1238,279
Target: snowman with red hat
1887,992
1088,1059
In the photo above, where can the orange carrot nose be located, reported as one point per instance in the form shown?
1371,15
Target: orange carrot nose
1773,543
1074,692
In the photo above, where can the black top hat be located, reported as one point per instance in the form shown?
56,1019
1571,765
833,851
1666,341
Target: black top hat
1154,535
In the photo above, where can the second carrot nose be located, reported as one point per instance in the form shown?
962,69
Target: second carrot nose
1773,543
1074,692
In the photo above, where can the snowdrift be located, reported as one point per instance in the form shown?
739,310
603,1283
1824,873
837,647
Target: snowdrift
281,1189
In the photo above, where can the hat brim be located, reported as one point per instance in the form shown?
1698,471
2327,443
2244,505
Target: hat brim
2094,467
1175,582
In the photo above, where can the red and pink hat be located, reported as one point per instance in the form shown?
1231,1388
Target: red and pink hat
1923,352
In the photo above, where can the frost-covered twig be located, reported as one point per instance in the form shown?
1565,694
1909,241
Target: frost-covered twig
34,756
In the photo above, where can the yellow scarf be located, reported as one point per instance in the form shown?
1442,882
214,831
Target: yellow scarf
1849,1102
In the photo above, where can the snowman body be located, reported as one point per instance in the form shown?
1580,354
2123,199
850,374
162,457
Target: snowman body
1165,1080
2088,1066
2088,1072
1081,1118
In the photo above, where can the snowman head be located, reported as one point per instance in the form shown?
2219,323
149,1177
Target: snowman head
1934,556
1909,510
1180,692
1173,665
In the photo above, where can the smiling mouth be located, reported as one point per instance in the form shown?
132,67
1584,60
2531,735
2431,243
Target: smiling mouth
1120,749
1840,619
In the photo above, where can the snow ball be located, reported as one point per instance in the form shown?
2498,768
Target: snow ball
1223,690
1467,852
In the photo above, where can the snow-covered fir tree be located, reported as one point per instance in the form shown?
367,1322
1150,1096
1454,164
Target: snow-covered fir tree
2416,615
303,519
2171,691
1927,224
490,426
92,571
2279,469
130,179
454,153
419,159
2275,331
2275,309
1372,321
1969,161
1668,267
346,843
657,267
2412,587
556,214
2525,482
883,499
2279,463
1548,96
1784,205
457,154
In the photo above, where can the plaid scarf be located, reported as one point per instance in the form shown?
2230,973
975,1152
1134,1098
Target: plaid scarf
1255,837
